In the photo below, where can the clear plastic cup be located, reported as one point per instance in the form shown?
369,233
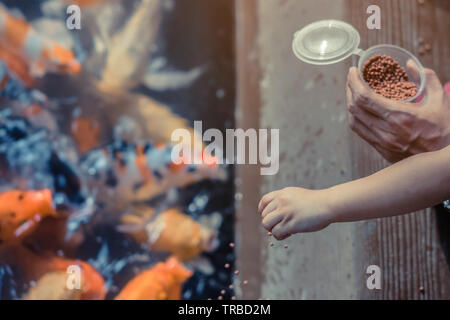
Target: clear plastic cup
327,42
406,59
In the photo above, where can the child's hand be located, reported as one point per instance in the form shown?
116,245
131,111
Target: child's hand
294,210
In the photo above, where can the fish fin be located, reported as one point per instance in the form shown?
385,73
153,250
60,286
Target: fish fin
38,69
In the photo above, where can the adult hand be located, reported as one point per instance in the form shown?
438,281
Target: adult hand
399,129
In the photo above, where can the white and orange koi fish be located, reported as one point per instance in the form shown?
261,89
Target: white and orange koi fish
25,102
21,45
127,59
125,172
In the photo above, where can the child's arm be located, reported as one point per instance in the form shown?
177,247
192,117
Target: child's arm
415,183
412,184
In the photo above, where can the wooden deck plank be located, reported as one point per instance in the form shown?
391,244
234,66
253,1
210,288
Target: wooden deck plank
406,248
317,150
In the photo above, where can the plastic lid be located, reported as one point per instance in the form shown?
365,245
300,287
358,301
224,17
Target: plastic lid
326,42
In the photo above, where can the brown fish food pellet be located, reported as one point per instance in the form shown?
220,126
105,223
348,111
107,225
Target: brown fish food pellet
386,77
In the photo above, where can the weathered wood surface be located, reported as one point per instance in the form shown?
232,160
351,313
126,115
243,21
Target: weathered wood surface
406,248
247,116
307,103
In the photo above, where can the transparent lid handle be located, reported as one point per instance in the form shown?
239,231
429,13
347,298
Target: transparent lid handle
359,52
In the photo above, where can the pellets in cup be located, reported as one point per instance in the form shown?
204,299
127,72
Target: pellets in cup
385,76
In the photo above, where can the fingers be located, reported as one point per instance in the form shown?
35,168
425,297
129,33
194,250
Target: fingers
360,94
274,223
361,130
354,81
265,200
371,121
269,221
365,133
279,232
362,97
269,208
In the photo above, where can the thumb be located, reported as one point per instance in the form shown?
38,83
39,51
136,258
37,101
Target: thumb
433,85
413,71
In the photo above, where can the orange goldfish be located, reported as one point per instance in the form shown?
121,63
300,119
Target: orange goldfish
21,212
52,234
19,42
35,266
161,282
171,231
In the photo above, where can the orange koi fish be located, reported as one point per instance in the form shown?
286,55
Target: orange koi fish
24,102
35,266
52,234
161,282
19,41
171,231
21,212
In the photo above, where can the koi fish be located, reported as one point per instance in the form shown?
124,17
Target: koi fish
161,78
24,102
84,3
35,266
52,234
171,231
131,48
127,172
155,120
161,282
21,212
52,286
11,88
30,160
19,41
